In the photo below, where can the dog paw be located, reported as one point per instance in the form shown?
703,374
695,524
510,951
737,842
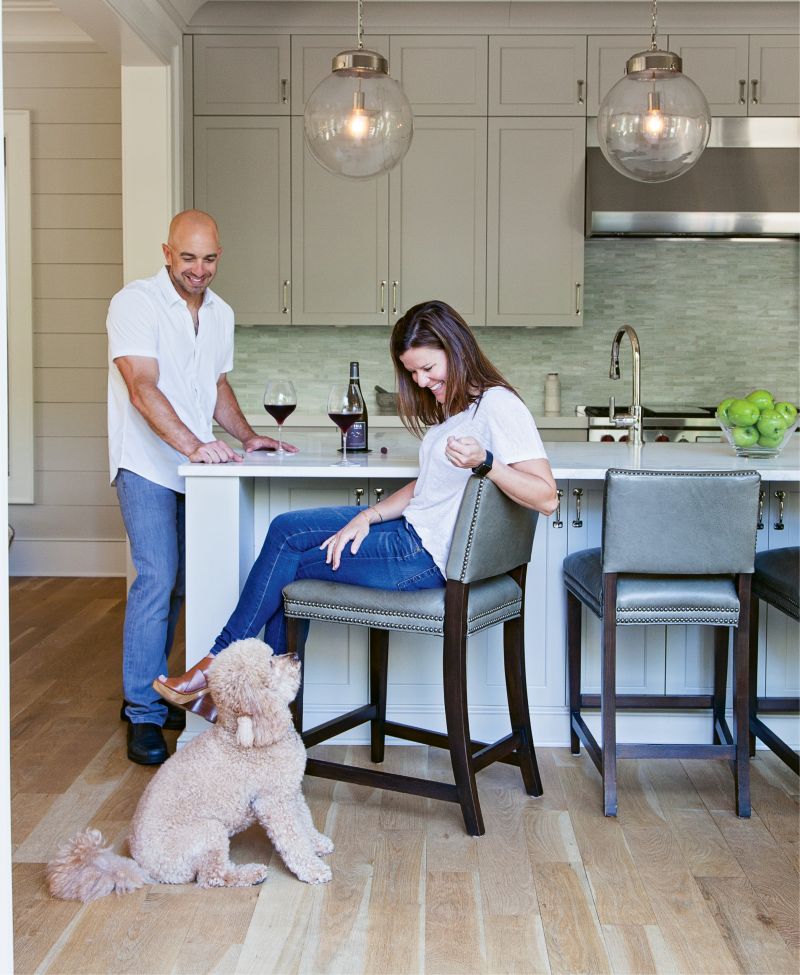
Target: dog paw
251,874
314,873
323,845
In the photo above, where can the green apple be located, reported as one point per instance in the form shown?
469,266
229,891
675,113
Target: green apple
761,398
771,442
743,413
722,410
744,436
771,424
787,411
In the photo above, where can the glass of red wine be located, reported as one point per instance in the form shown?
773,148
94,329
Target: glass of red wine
345,406
280,400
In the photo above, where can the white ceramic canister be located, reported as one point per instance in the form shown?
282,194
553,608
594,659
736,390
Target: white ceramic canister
552,395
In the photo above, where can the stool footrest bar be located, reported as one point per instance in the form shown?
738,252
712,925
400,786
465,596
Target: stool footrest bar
382,780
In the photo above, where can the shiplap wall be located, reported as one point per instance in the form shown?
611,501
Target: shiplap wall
73,94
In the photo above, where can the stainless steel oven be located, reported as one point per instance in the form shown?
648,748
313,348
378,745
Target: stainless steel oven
675,424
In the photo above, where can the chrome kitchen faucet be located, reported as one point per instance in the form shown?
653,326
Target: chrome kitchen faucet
633,419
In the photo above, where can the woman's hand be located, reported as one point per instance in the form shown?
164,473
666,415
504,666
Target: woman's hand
466,452
355,531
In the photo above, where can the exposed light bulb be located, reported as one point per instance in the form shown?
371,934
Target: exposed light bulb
358,120
654,121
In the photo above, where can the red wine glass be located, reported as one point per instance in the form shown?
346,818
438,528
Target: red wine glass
280,400
345,406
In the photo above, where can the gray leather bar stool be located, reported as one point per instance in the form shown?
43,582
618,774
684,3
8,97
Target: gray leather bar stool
776,582
678,548
485,586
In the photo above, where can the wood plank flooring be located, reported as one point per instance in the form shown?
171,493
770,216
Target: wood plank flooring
675,884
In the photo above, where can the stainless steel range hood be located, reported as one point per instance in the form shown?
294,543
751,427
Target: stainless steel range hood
746,184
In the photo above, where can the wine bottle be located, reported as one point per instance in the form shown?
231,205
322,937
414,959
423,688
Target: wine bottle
358,434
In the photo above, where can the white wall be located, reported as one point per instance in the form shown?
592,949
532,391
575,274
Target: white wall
72,90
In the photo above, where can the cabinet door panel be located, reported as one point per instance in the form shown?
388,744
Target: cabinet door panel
242,177
240,74
311,61
339,244
606,57
718,65
775,66
438,218
780,650
537,75
441,75
535,221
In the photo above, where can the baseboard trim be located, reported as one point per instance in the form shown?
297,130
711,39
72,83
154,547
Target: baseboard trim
66,557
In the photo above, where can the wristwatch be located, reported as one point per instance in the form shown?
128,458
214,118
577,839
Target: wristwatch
483,469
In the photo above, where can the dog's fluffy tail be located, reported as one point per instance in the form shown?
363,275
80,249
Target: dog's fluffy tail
86,869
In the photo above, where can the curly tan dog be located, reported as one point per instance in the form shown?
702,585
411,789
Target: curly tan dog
247,768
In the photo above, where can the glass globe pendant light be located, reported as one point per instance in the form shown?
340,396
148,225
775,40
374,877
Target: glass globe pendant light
358,122
654,124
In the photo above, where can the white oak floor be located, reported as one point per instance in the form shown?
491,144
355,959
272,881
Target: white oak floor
675,884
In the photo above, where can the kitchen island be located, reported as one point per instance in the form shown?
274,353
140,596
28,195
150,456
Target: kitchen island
228,509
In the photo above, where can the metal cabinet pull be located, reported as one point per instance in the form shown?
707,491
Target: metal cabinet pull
742,91
779,525
760,523
580,92
577,297
285,308
394,296
284,90
378,494
558,523
383,297
754,91
359,496
577,522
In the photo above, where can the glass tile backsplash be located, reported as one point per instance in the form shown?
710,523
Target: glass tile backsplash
714,318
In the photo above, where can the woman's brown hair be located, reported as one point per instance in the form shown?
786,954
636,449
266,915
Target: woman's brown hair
435,325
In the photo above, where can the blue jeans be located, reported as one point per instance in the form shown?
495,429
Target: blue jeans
390,557
154,520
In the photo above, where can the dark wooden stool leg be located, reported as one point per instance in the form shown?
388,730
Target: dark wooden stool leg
574,666
517,694
454,678
721,641
608,694
753,673
296,644
378,667
741,699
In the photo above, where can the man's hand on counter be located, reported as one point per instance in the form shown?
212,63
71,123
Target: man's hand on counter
214,452
266,443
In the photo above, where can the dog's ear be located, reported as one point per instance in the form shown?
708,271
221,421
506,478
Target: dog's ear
244,731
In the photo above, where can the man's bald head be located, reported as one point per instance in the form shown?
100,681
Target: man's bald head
192,253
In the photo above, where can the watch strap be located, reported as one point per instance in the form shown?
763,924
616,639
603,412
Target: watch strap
483,469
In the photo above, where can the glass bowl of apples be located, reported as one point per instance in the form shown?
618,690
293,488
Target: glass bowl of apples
755,425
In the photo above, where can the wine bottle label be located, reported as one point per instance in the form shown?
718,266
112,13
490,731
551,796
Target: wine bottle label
357,436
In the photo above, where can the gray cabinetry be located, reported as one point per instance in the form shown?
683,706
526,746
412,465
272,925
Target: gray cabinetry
241,74
537,75
605,63
719,66
774,87
311,60
441,75
535,221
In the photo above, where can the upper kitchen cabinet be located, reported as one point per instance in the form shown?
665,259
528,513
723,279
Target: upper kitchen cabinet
312,56
241,175
774,87
441,75
605,63
241,74
340,244
535,221
437,218
537,75
718,65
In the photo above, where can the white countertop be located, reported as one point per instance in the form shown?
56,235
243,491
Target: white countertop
318,457
381,421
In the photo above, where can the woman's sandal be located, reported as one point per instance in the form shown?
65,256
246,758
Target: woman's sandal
198,700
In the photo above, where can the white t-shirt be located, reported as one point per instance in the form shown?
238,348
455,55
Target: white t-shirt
502,423
149,318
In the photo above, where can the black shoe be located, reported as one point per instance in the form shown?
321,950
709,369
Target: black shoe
176,717
146,745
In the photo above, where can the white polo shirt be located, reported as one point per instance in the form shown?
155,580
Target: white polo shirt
149,318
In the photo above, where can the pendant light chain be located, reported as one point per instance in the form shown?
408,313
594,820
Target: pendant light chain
653,26
361,25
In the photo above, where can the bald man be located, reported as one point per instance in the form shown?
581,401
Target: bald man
170,344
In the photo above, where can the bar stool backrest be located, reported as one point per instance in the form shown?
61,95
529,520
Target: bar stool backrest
680,522
493,534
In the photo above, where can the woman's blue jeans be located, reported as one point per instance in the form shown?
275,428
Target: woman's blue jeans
390,557
154,520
